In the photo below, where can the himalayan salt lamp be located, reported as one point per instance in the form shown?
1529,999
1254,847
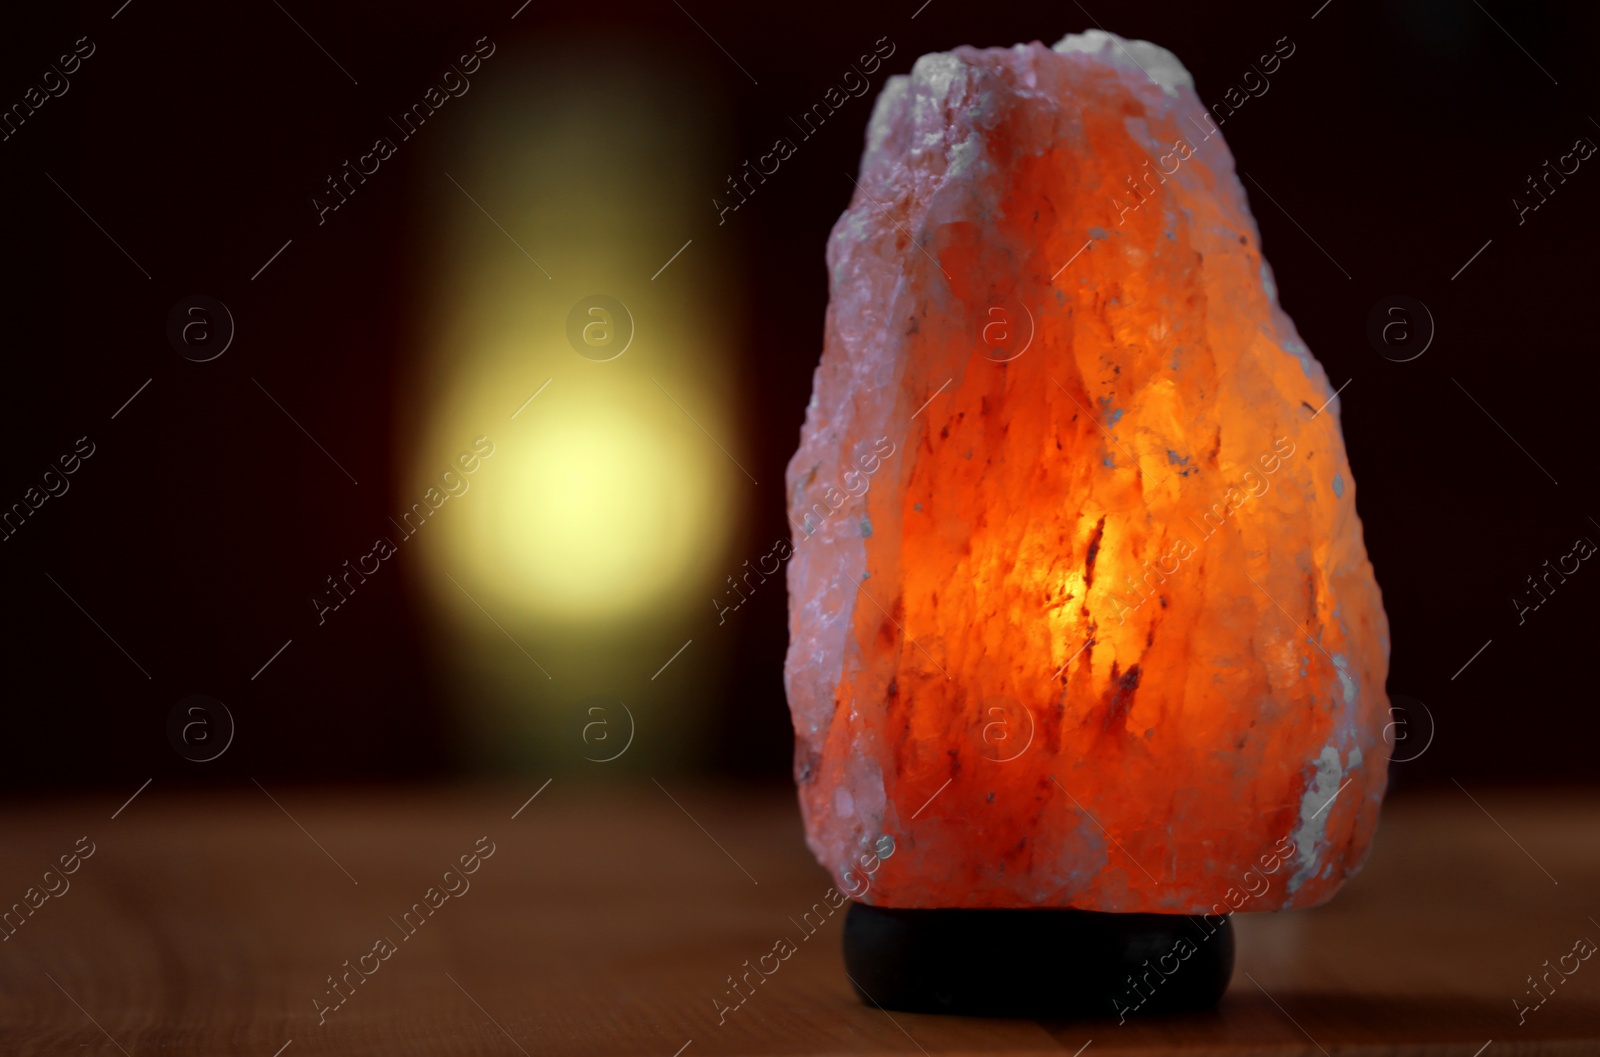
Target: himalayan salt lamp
1085,649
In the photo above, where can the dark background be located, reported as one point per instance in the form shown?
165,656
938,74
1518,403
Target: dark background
1396,135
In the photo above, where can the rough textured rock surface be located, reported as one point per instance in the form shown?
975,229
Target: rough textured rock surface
1080,613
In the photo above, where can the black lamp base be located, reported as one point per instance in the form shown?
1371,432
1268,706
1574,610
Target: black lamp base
1037,963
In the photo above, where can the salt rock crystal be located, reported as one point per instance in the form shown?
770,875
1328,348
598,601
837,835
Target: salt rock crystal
1084,620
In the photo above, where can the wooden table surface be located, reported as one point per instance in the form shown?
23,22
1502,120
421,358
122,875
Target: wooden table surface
606,921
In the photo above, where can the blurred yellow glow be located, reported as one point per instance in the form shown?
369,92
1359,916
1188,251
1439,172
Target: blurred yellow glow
605,507
600,508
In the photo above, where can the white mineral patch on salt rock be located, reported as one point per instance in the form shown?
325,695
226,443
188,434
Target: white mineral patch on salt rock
1163,67
1313,818
882,121
939,72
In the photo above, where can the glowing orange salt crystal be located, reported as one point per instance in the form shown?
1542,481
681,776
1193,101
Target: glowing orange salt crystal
1099,630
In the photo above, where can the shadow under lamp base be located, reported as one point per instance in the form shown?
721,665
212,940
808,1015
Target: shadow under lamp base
1036,963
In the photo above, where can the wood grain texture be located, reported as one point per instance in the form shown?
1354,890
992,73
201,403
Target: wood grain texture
606,921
